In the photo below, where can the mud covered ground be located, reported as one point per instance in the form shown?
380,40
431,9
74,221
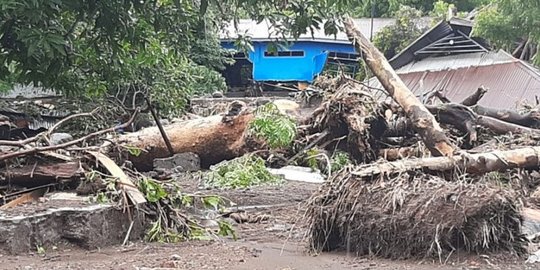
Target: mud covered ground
277,243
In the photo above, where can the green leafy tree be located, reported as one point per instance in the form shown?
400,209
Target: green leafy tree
508,24
387,8
167,48
394,38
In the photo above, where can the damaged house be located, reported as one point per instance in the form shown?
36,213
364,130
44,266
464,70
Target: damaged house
300,61
449,59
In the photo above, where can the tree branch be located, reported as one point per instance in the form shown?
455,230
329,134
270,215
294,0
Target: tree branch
66,144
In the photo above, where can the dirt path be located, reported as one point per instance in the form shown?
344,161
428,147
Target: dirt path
274,244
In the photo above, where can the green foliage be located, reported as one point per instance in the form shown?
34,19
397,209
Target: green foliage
275,128
339,160
94,47
387,8
134,151
226,229
312,155
394,38
506,22
40,250
152,190
332,164
101,198
440,10
169,225
243,172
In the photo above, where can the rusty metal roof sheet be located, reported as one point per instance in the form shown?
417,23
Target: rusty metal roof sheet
510,81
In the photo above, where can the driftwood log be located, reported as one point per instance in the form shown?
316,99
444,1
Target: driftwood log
423,121
214,139
528,157
531,119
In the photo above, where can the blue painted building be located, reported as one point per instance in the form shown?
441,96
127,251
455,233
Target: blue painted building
302,61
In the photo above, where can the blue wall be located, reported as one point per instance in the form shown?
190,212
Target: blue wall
292,68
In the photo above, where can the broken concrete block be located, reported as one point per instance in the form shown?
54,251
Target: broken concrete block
182,162
295,173
85,225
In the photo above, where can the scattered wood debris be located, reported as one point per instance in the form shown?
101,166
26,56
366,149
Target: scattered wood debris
427,177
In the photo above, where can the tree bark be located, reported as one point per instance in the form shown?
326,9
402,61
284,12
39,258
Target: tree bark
465,119
531,119
502,127
214,139
392,154
41,174
528,157
458,116
423,121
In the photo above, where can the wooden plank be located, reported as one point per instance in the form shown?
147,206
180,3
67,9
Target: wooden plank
124,181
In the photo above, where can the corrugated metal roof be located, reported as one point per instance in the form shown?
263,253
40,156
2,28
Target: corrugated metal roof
440,31
457,61
262,31
510,81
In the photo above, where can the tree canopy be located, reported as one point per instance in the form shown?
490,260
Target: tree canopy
170,47
389,8
167,47
513,25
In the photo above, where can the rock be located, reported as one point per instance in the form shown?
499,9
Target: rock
58,138
88,226
295,173
182,162
209,223
218,94
164,122
531,223
534,258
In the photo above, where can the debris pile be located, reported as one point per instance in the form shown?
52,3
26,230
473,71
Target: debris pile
407,176
413,214
439,178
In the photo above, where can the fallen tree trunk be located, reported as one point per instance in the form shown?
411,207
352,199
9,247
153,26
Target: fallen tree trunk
502,127
458,116
423,121
41,174
528,157
531,119
214,139
465,119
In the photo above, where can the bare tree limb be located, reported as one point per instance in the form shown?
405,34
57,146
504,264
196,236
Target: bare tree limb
475,97
66,144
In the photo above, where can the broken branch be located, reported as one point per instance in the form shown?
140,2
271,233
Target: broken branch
66,144
423,121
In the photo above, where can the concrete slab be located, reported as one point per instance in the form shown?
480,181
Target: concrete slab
63,222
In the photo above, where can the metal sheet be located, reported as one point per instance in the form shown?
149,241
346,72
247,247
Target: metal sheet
509,84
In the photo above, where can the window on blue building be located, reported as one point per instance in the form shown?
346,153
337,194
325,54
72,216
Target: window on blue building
284,54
